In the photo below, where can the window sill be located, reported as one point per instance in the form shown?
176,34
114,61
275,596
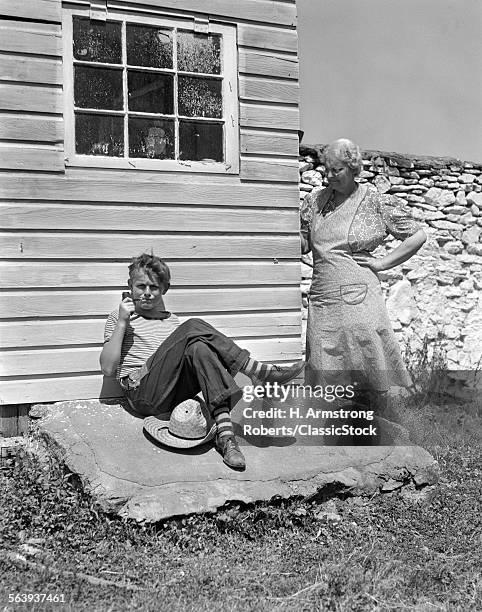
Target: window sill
168,165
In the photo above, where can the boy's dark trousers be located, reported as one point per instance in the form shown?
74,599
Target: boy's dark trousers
195,357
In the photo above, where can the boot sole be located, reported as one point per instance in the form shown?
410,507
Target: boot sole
239,468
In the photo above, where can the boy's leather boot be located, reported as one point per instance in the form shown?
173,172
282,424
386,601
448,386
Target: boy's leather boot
232,455
283,374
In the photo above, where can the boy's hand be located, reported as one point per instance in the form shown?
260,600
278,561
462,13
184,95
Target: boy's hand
126,308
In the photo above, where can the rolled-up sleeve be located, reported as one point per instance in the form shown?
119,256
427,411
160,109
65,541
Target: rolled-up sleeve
110,325
398,218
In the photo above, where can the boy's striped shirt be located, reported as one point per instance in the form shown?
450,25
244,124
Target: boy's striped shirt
142,338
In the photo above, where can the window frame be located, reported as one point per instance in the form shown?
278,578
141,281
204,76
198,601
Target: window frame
229,76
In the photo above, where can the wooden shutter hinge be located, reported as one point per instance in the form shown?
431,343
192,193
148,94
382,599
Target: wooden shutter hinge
98,10
201,25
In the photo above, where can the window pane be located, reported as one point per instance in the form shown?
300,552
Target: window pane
99,135
95,41
200,97
199,141
199,53
98,88
150,92
152,138
149,47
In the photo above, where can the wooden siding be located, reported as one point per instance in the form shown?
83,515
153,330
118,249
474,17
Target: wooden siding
30,70
33,98
111,246
269,95
67,235
34,128
273,90
66,303
31,88
86,359
31,158
142,218
267,64
269,116
53,188
14,420
263,37
32,39
268,143
276,12
44,10
27,333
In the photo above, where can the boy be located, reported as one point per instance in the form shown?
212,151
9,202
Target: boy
160,362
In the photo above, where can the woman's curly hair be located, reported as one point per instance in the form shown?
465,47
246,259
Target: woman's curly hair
347,152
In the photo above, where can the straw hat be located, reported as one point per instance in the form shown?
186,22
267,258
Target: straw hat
189,425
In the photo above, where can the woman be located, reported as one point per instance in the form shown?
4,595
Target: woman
349,335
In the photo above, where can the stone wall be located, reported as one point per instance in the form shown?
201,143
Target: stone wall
435,296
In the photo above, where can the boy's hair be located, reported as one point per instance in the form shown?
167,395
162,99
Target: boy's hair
152,265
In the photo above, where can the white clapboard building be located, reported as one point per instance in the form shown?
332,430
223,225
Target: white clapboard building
131,125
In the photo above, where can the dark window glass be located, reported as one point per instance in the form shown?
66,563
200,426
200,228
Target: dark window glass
98,88
149,47
199,53
200,97
200,141
150,92
151,138
99,135
95,41
146,48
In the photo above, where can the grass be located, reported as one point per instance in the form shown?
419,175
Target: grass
407,550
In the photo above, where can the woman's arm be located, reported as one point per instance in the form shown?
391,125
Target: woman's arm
308,206
401,253
305,241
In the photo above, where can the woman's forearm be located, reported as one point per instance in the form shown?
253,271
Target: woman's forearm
403,251
305,242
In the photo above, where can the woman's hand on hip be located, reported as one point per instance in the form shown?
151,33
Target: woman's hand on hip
401,253
366,259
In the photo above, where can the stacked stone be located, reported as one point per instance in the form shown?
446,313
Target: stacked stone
435,296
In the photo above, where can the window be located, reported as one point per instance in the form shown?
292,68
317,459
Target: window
150,93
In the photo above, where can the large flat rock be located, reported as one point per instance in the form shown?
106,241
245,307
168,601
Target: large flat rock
128,473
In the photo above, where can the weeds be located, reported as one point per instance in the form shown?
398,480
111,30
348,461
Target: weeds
44,501
427,366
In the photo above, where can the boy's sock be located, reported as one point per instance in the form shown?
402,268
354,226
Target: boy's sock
268,372
256,369
225,440
223,421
